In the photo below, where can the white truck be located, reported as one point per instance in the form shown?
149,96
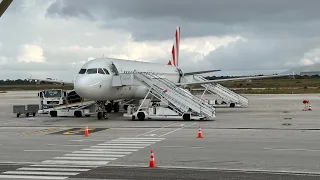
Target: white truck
59,102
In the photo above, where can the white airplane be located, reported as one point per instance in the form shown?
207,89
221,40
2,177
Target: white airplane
94,80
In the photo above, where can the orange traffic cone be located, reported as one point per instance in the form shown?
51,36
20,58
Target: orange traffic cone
199,133
152,164
86,132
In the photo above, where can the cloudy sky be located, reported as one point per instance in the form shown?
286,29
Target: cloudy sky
53,38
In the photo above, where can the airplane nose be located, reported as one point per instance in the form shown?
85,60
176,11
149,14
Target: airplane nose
87,87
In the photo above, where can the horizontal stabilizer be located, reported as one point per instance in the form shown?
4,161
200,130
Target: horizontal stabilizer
201,72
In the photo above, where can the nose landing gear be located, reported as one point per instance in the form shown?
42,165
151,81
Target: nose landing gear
102,113
113,106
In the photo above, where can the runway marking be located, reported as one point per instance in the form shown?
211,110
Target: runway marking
53,169
87,158
124,145
110,149
138,141
97,163
31,177
283,149
78,131
75,162
67,145
39,131
132,142
41,173
35,150
102,152
11,162
302,173
95,155
156,129
116,147
176,130
65,166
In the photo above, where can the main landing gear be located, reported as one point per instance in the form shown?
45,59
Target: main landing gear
102,113
112,106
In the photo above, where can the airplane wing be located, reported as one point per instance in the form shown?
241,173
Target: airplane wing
51,80
230,79
201,72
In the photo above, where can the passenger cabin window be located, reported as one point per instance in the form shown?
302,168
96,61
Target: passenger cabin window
100,71
106,71
92,71
82,71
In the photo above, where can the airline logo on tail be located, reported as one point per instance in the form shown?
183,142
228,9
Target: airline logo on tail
175,49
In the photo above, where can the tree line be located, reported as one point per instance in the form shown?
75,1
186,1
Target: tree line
26,81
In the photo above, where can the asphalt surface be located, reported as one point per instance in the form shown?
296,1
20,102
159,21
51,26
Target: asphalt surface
271,139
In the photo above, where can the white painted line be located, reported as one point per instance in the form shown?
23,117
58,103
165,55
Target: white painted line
48,150
66,145
41,173
111,150
52,169
31,177
143,138
81,140
156,129
124,144
95,155
315,173
87,158
66,166
282,149
132,141
102,152
117,147
176,130
135,140
97,163
10,162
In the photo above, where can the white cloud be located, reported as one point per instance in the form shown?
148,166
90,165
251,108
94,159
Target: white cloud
31,53
311,57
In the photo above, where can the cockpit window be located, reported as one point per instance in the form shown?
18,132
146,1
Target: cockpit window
100,71
106,71
92,71
82,71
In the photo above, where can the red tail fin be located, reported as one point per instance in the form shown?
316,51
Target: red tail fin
175,49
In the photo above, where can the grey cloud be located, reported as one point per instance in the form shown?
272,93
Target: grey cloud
155,20
67,9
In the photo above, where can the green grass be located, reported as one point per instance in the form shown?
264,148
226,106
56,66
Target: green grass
33,87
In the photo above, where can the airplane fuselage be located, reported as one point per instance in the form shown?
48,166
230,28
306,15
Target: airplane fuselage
94,80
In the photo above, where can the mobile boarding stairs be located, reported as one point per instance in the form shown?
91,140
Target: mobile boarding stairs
227,96
181,104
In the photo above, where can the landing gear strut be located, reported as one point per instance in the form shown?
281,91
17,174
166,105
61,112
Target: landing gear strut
102,113
112,106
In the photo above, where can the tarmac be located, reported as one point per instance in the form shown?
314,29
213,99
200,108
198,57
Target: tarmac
271,139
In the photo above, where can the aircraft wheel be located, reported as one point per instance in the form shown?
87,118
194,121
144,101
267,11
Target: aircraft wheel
27,114
99,115
109,107
105,115
232,104
141,116
116,107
